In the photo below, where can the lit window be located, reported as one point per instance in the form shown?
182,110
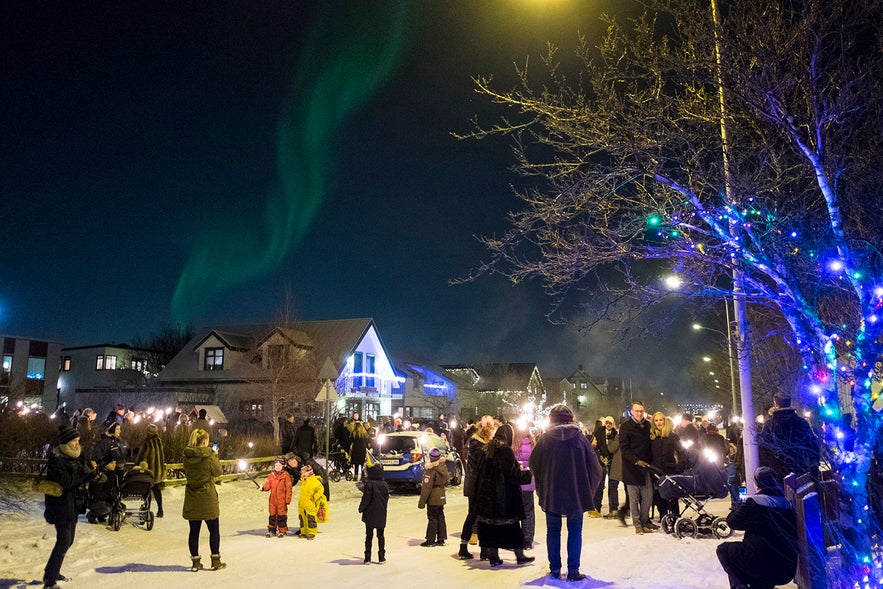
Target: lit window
214,359
370,361
36,368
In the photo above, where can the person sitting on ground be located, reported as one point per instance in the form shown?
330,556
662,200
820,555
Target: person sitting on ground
767,555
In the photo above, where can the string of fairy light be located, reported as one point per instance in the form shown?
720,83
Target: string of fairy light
743,233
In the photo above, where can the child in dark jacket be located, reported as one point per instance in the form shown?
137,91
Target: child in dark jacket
278,483
375,497
432,497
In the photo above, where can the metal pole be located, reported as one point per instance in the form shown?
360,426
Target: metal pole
735,410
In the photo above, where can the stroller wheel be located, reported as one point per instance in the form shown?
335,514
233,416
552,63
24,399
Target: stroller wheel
668,523
686,528
149,523
334,476
721,528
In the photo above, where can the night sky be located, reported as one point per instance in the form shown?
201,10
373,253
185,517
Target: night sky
172,162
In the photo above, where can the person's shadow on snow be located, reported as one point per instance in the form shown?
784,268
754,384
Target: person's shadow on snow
587,583
137,567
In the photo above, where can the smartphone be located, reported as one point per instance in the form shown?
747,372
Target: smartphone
743,494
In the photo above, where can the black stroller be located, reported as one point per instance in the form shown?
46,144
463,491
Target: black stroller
339,464
702,481
136,489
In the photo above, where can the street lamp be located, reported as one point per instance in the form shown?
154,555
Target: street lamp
697,327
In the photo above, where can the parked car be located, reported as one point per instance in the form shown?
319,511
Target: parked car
404,456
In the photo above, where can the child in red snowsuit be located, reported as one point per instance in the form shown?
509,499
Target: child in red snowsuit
279,485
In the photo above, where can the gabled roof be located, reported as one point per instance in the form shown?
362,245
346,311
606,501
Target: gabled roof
502,376
336,339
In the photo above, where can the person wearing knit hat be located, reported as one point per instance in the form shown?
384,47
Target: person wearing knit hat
67,467
767,554
153,453
278,483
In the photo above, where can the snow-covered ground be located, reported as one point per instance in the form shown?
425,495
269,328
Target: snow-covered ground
612,556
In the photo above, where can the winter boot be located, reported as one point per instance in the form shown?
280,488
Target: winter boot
216,562
464,553
196,563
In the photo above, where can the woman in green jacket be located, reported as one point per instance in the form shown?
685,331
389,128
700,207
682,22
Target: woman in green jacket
201,467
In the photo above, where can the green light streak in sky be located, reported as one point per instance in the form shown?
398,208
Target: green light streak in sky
348,54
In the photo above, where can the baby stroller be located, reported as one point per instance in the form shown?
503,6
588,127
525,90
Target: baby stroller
339,464
700,482
136,489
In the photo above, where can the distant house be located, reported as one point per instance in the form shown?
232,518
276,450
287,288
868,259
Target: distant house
101,375
587,394
499,389
423,391
29,371
260,371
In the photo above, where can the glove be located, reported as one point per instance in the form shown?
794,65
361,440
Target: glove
642,464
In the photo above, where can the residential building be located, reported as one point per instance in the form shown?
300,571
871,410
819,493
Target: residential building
260,371
499,389
29,371
423,391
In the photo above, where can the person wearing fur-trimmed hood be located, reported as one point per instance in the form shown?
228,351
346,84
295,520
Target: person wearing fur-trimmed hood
767,555
432,497
67,467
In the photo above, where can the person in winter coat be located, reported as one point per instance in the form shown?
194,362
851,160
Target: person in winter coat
311,502
358,448
567,472
522,444
475,454
375,498
668,456
201,467
787,443
153,453
278,483
432,497
767,555
634,443
67,467
305,440
498,506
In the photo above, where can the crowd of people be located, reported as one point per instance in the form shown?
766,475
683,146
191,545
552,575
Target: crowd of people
564,469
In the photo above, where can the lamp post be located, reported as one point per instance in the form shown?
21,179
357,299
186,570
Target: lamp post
697,327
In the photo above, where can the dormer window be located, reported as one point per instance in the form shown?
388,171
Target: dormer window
214,359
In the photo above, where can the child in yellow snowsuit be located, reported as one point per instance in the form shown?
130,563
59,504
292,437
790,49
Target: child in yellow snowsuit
312,505
279,485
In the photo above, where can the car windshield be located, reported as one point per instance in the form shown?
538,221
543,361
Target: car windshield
398,445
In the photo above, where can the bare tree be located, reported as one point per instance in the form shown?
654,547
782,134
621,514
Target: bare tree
629,174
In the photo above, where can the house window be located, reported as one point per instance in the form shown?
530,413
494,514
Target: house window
5,369
214,359
251,407
105,362
358,377
36,368
370,362
65,363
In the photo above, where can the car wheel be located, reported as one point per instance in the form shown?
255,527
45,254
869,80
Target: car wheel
458,475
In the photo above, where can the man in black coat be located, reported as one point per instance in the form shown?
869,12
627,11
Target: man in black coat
567,472
767,555
787,443
634,446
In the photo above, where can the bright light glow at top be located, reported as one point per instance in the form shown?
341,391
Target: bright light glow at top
672,282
